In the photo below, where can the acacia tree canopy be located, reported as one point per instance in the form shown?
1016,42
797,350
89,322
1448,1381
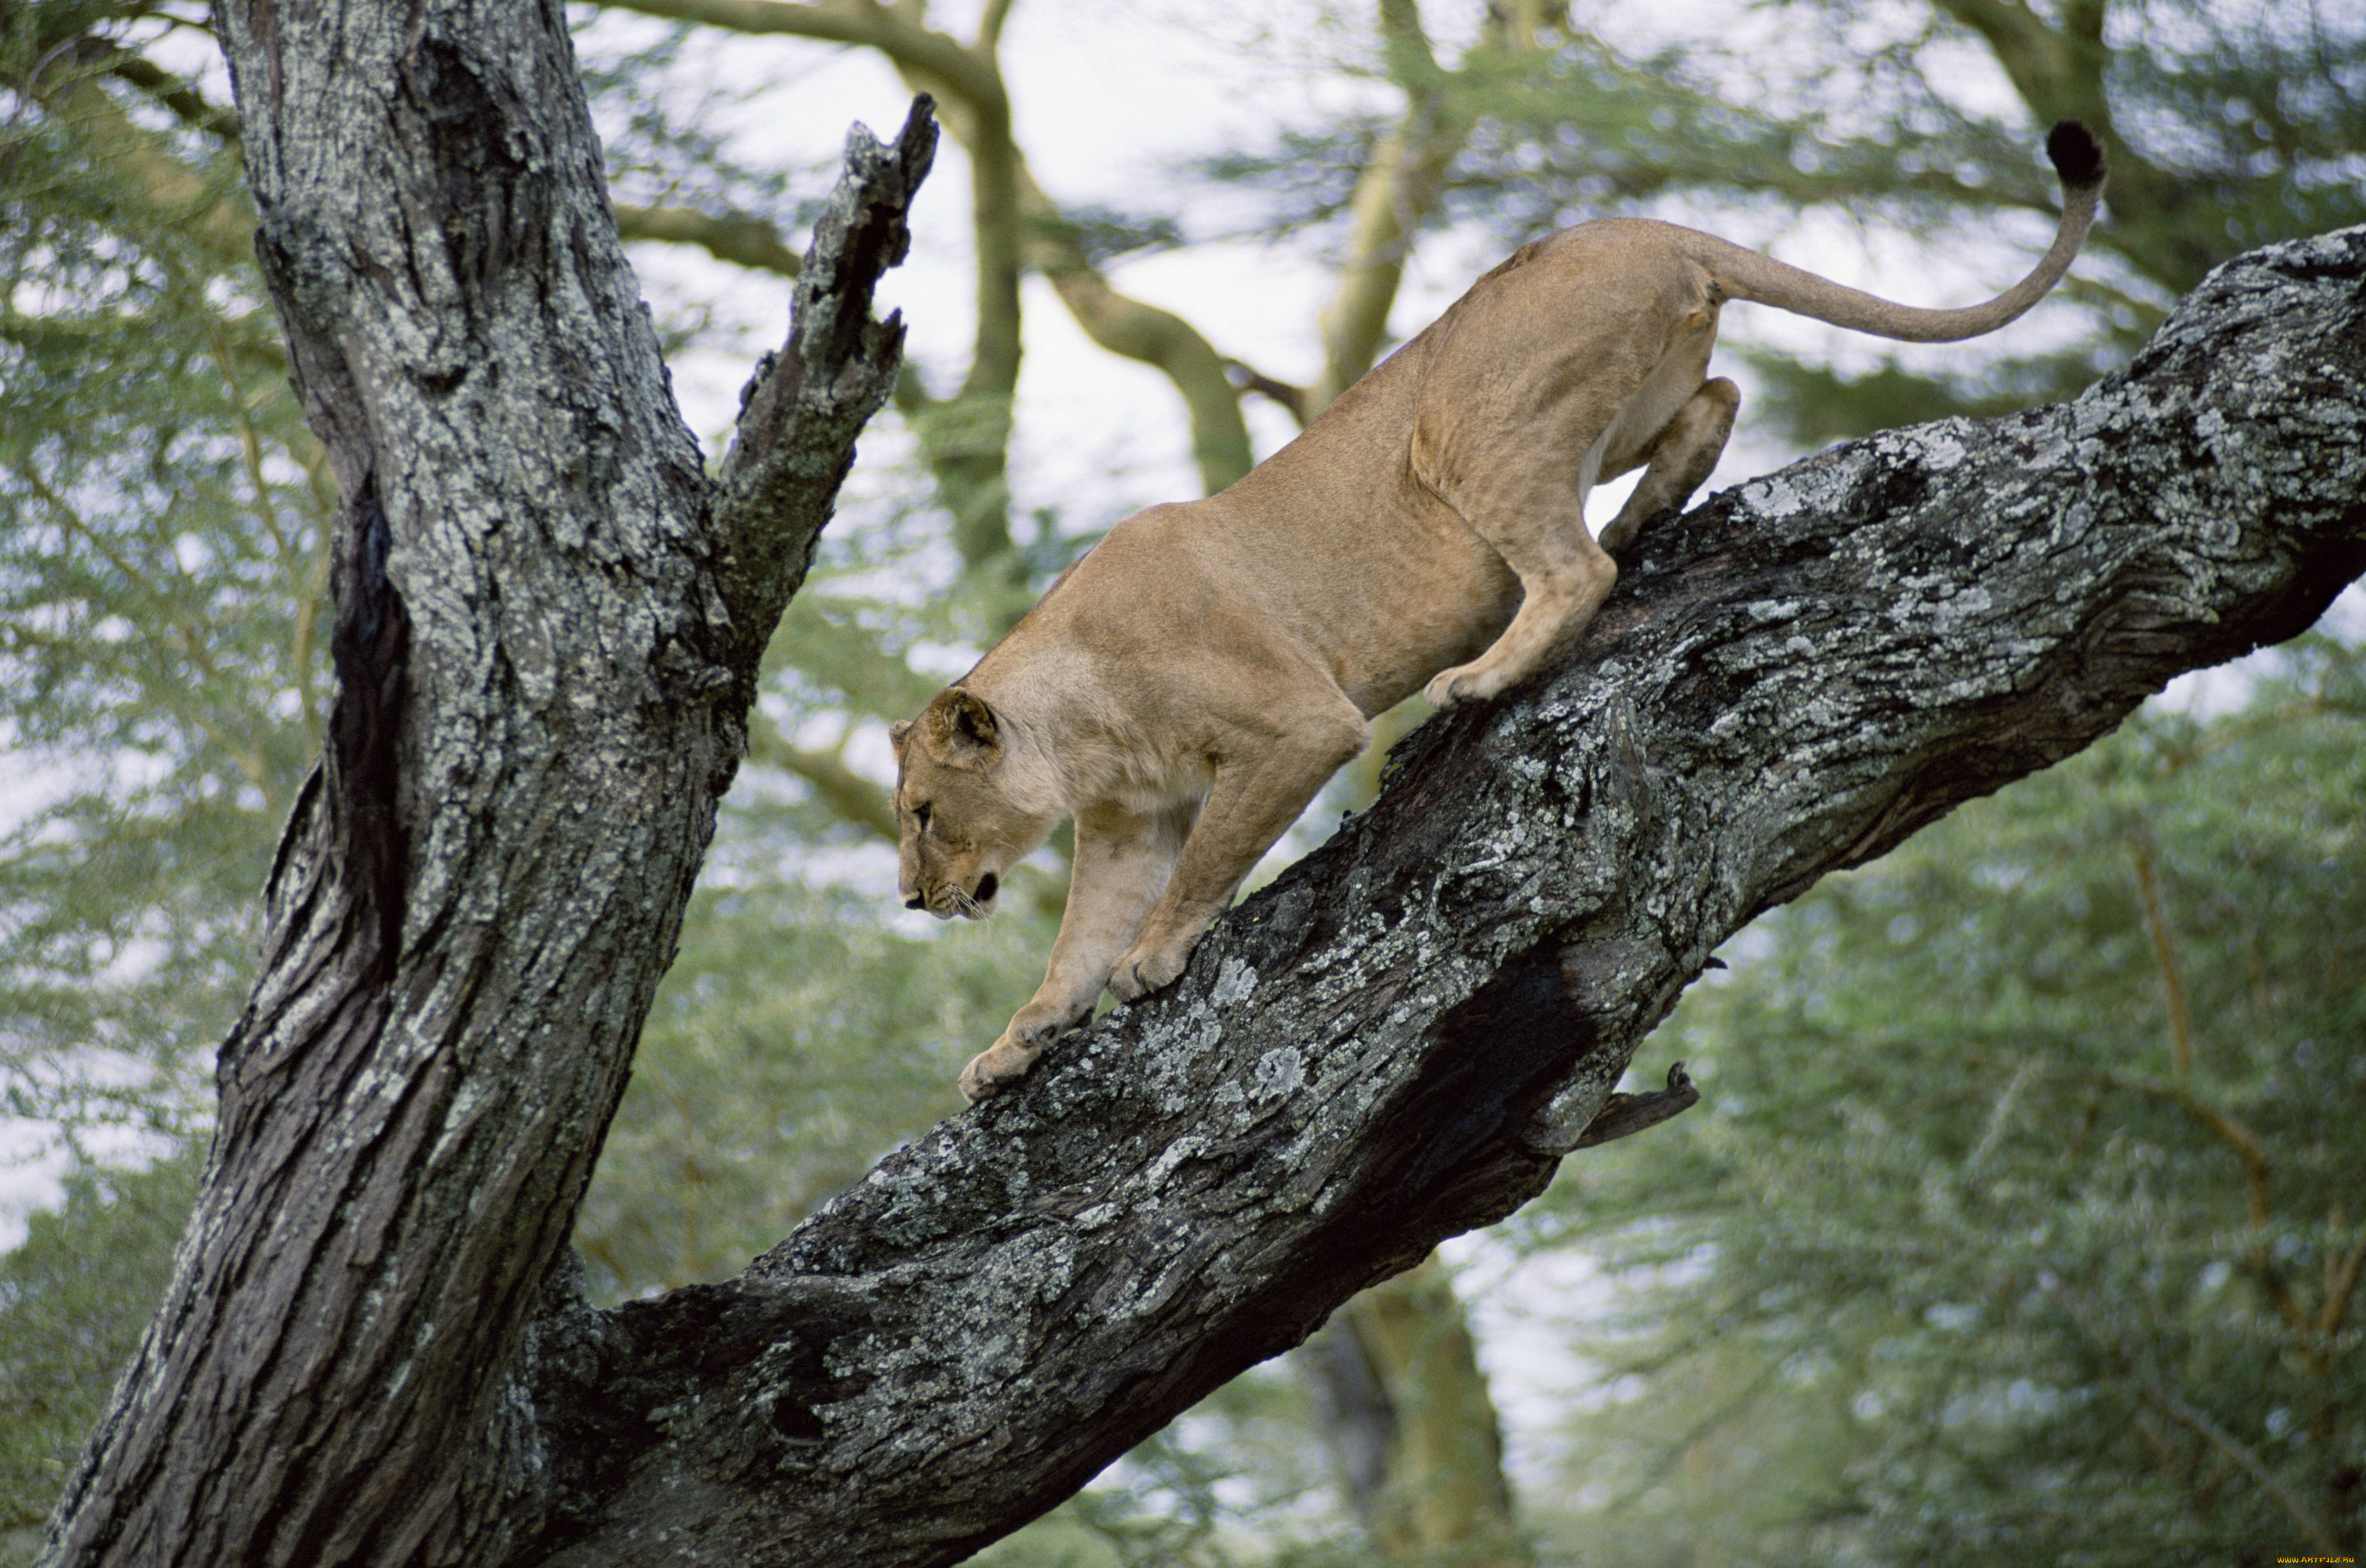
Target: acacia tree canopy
373,1348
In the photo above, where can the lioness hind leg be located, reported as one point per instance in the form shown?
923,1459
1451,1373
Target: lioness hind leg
1685,454
1565,577
1257,794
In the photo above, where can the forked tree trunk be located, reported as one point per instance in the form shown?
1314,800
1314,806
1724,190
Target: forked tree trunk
375,1349
547,626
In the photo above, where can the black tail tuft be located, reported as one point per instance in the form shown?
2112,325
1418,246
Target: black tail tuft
2078,155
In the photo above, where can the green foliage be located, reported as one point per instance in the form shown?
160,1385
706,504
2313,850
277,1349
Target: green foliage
1232,1483
163,513
2230,126
664,126
1105,234
162,519
74,1297
1968,1259
1813,405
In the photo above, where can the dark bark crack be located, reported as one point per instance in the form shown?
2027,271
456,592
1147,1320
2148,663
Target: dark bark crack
366,648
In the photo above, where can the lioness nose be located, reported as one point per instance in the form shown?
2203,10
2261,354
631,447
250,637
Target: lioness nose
915,902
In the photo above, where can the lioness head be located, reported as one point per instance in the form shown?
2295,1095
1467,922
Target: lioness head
957,828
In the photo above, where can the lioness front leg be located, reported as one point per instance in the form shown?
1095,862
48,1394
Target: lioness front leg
1123,861
1682,460
1254,798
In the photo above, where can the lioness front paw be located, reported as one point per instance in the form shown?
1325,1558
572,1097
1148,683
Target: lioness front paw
1146,968
1037,1024
999,1067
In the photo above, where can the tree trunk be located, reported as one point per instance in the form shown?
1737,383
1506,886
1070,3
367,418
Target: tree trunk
549,621
376,1349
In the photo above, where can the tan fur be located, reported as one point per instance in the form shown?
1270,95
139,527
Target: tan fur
1189,686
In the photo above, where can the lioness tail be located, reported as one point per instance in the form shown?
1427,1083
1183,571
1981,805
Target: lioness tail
1746,275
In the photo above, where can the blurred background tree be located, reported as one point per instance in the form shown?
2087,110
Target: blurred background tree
2025,1222
2014,1230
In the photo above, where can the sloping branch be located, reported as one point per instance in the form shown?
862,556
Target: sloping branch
1399,1038
374,1349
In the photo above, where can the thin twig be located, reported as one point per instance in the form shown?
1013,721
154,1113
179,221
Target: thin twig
2253,1466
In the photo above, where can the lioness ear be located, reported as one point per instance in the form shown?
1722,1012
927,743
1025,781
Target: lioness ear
896,733
961,730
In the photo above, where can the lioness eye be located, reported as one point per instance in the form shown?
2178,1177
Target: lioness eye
921,817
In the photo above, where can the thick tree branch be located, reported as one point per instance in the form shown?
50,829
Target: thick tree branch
801,412
373,1349
1399,1038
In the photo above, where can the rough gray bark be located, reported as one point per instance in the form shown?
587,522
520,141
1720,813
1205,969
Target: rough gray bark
547,625
373,1349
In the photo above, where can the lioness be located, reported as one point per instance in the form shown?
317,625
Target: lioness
1186,688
